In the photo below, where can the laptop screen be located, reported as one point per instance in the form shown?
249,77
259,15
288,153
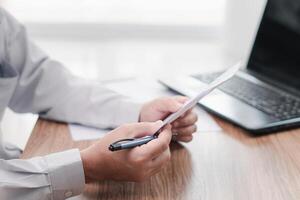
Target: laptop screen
276,51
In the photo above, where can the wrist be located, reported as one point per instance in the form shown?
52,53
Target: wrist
94,164
86,166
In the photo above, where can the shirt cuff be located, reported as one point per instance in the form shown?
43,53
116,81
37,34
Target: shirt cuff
128,112
66,174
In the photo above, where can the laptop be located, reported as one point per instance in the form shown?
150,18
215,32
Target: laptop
265,96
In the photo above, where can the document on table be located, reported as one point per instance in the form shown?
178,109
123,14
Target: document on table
79,132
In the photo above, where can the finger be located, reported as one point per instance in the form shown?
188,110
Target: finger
188,120
157,146
185,131
184,138
169,105
143,128
186,113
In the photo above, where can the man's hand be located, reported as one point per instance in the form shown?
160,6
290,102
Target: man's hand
158,109
137,164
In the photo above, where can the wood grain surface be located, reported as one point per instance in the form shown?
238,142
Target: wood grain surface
216,165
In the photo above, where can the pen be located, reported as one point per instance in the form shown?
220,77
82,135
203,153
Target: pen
133,142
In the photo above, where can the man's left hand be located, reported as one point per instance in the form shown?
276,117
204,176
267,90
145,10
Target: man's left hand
158,109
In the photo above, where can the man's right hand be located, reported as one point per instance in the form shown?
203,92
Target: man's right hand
136,164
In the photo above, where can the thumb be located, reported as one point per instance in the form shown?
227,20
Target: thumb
170,105
145,128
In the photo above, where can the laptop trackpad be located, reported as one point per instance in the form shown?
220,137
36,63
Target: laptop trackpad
237,111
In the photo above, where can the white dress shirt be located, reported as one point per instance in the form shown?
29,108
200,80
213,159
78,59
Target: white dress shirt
30,81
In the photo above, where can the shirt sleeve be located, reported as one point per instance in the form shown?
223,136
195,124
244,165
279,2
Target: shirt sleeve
53,177
47,88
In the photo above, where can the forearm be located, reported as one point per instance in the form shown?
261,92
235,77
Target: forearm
89,103
47,88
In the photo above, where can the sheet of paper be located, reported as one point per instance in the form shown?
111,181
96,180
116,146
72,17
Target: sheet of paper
205,124
79,132
205,91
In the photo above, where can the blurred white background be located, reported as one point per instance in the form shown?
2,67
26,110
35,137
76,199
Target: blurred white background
107,40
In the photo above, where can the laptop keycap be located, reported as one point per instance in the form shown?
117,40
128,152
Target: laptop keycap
280,105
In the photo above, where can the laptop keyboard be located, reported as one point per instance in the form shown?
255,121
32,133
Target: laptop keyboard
277,104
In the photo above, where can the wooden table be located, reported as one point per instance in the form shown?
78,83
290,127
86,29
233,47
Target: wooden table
221,165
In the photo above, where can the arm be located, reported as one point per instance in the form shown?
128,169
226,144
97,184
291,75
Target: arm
41,177
45,87
62,175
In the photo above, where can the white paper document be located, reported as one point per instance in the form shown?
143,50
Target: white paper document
79,132
205,91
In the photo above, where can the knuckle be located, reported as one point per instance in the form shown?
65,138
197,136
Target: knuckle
139,160
164,146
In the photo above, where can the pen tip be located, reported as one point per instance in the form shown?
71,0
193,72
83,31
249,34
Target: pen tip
111,148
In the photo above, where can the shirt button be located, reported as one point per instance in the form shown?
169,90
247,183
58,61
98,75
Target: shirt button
68,194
